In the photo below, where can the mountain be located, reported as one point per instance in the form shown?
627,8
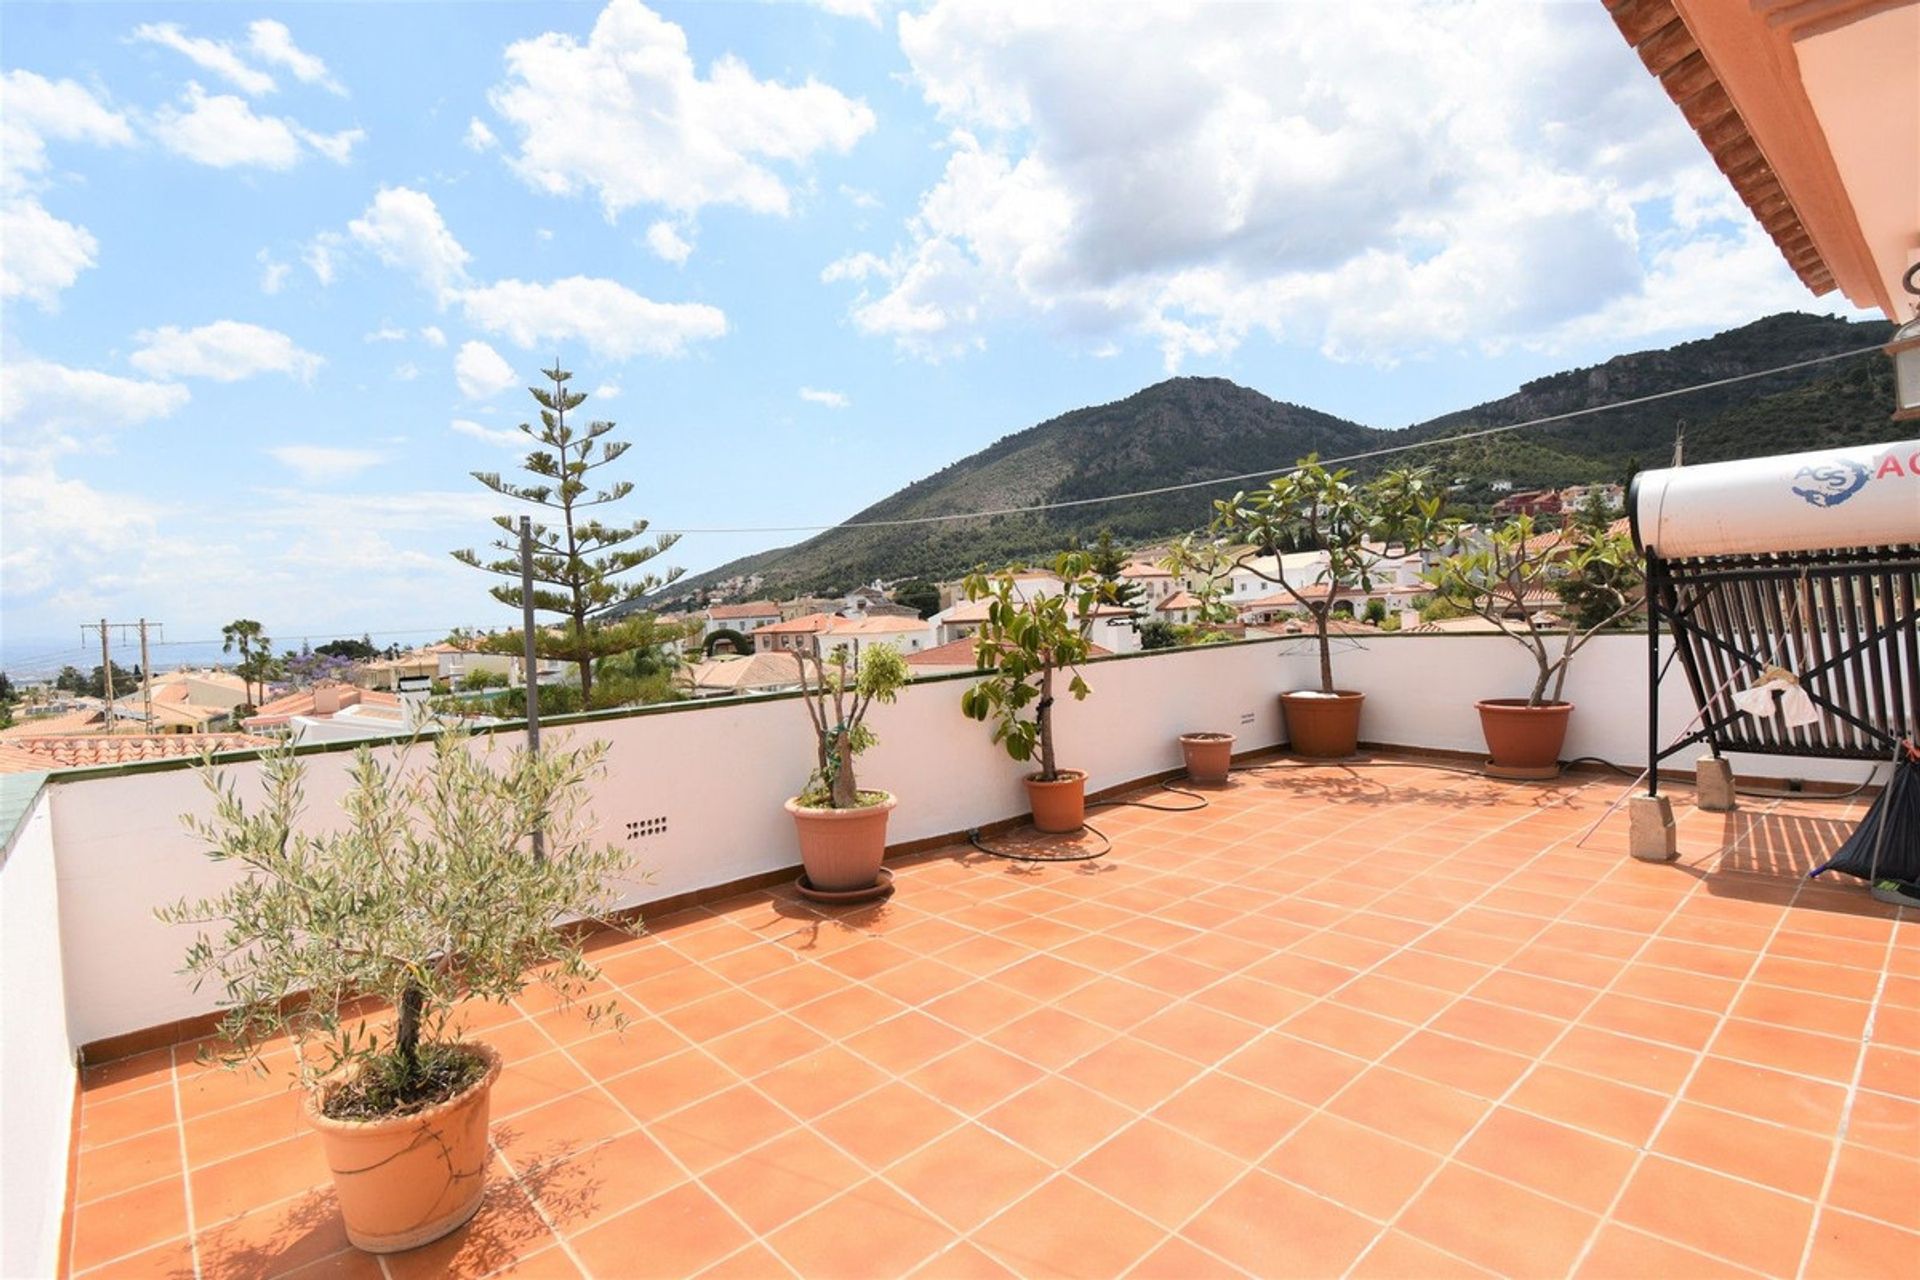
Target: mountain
1194,429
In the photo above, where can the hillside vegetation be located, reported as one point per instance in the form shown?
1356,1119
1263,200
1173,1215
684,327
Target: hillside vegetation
1194,429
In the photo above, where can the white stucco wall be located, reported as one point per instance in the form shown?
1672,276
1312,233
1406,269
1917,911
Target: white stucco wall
718,773
36,1053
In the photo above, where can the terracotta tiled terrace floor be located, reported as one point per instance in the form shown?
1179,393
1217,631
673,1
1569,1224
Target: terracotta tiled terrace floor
1384,1022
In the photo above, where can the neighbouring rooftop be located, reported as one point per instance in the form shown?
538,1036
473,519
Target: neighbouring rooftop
1378,1021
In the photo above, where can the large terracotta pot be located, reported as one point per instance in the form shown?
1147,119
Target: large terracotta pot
1524,740
408,1181
1323,725
1209,756
842,848
1059,807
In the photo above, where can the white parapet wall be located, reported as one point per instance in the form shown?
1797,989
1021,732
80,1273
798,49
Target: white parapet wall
718,772
36,1052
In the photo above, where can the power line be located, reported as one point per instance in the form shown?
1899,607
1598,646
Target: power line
1382,452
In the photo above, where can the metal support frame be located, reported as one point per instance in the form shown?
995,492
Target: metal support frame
1847,623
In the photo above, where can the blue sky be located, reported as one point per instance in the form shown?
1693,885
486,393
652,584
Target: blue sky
275,275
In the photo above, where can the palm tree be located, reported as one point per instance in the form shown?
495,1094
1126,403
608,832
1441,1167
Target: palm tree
250,639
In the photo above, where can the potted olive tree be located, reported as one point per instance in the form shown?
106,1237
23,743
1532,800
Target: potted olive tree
1358,529
1205,565
842,829
444,882
1502,576
1025,646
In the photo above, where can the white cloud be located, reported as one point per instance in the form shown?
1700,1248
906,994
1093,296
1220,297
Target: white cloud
432,336
60,530
272,43
481,371
505,437
628,116
606,391
225,351
865,10
612,320
859,198
40,396
337,147
40,255
216,56
319,256
478,136
322,464
406,372
827,399
668,244
223,132
34,109
1369,180
404,229
273,272
386,333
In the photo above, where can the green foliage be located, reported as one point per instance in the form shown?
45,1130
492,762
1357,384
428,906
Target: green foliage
361,650
576,561
1023,645
1158,635
1376,611
476,680
1493,576
1438,608
919,595
1358,525
741,642
837,695
428,892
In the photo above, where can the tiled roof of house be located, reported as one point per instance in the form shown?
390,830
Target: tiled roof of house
1140,569
960,653
876,626
1177,601
85,720
806,624
89,750
751,609
304,702
770,670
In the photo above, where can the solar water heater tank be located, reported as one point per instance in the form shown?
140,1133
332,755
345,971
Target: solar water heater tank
1829,499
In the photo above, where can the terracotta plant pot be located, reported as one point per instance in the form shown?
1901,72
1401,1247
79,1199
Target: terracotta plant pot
1209,756
842,848
1059,807
408,1181
1524,741
1322,725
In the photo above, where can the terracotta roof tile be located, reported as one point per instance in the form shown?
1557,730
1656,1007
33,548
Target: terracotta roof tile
750,609
90,750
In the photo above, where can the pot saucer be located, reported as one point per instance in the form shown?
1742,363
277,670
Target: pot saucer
880,888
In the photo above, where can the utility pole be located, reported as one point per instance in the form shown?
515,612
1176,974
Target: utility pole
106,629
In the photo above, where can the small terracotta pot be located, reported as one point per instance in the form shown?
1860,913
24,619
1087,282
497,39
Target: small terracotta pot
1059,807
1324,726
405,1182
1209,756
842,848
1520,737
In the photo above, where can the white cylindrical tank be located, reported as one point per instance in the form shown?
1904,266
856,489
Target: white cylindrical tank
1862,496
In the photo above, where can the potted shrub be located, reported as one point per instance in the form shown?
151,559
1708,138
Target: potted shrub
445,882
1204,569
1209,757
1024,646
842,829
1358,529
1597,576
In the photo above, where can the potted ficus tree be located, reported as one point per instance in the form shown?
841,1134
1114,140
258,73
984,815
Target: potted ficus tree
358,943
842,829
1026,645
1503,575
1358,530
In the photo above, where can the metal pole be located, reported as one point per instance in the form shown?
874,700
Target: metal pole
1653,675
106,673
531,673
146,676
